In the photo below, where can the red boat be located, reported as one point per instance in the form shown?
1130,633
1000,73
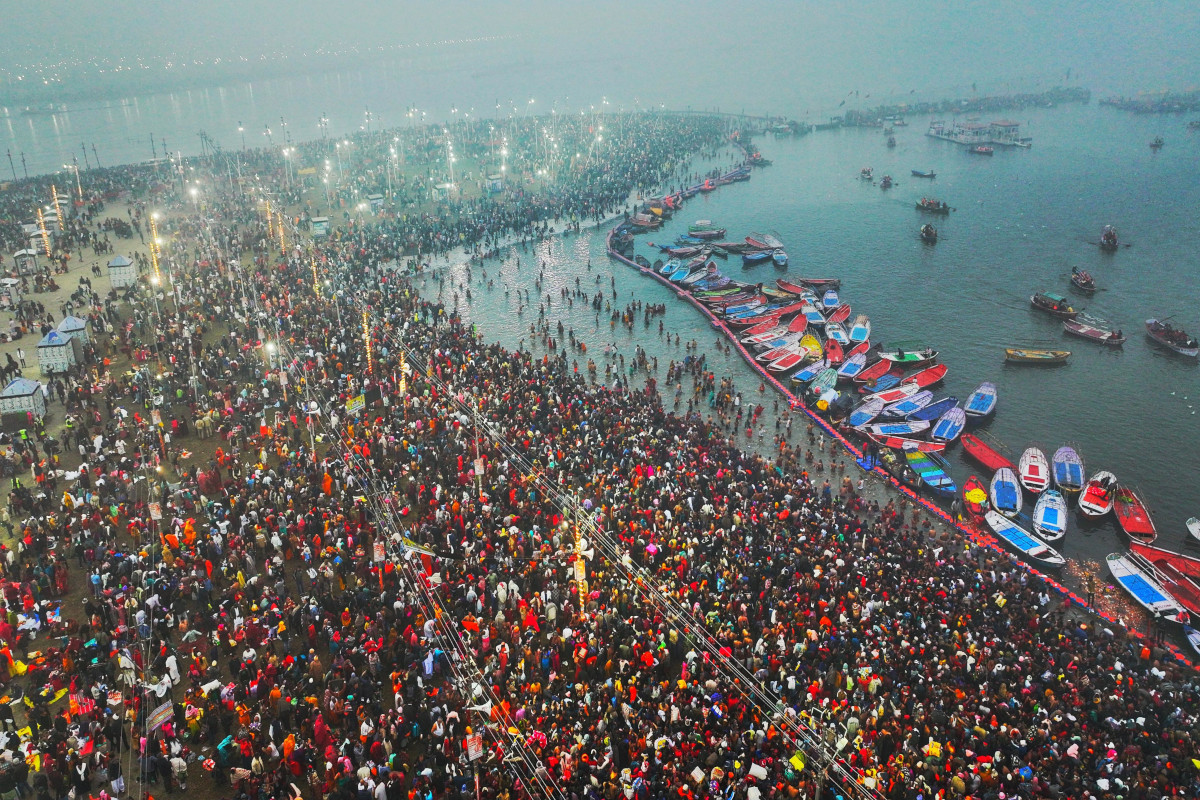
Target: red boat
1180,574
928,377
1133,517
901,443
840,314
861,347
984,453
975,496
798,324
809,284
834,352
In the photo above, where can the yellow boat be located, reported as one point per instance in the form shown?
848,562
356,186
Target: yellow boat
813,345
1036,356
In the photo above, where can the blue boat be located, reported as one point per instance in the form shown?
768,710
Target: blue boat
829,300
852,366
866,412
1006,492
982,402
811,371
903,428
670,266
780,258
754,259
909,405
934,472
885,382
935,409
679,274
1068,470
1050,516
950,426
1023,541
1140,578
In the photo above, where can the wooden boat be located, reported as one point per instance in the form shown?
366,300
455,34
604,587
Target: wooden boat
836,332
975,497
928,234
891,141
935,409
1024,542
700,274
986,454
1193,637
787,348
788,362
866,174
1193,526
813,345
701,225
839,314
930,376
812,314
834,352
982,402
763,332
1053,304
1093,333
767,240
737,248
1006,492
897,393
983,150
755,258
670,266
916,173
934,472
804,284
1050,516
1133,517
860,329
873,372
902,428
1109,241
949,426
826,379
724,291
909,357
1172,338
779,257
1067,468
866,412
893,462
902,443
931,206
1034,470
886,182
1136,576
904,407
1082,280
829,300
1096,500
713,234
1156,143
1046,357
799,323
1178,573
812,370
853,365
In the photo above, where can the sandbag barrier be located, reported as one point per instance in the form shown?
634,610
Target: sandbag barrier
979,538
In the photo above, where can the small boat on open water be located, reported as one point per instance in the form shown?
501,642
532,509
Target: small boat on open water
1042,357
1172,338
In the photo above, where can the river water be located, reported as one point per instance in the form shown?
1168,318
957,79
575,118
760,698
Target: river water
1023,218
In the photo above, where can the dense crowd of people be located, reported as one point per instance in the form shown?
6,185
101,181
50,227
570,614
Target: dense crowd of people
372,558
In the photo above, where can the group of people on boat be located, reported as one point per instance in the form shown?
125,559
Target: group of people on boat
934,205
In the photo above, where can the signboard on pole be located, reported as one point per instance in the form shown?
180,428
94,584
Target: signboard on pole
474,747
356,403
155,511
380,551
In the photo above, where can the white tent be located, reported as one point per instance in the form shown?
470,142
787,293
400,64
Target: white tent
23,395
76,328
122,272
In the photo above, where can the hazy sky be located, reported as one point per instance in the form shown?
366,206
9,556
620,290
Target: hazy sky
788,46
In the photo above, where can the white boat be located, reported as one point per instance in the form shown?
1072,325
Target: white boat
1096,500
1021,540
1138,576
860,329
1006,492
1050,516
1193,526
1034,469
902,428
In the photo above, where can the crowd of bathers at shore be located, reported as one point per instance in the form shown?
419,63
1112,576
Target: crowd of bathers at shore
378,563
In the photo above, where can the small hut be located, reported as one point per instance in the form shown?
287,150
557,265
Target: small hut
26,261
23,395
122,272
76,328
57,353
